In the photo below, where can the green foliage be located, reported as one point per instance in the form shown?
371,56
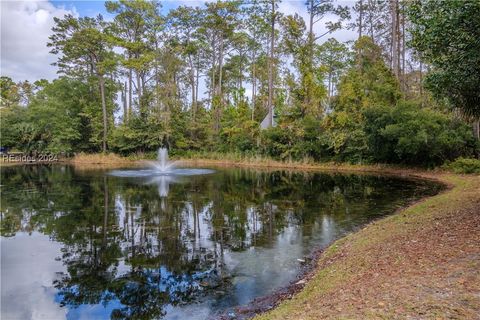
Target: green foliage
412,135
12,126
239,132
446,33
62,117
345,137
9,92
330,102
463,165
307,89
368,82
142,135
295,140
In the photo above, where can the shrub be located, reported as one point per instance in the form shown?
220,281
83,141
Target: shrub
463,165
294,140
409,134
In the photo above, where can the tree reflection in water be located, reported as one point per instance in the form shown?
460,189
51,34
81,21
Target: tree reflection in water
140,244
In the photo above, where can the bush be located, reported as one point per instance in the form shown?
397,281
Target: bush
294,140
412,135
463,165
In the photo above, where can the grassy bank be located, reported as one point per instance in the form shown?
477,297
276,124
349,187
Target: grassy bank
421,263
99,158
245,160
94,159
255,161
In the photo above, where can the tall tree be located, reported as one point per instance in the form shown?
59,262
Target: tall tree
446,34
395,37
85,50
136,26
9,91
334,57
308,90
185,23
219,26
369,82
273,16
257,28
372,19
318,11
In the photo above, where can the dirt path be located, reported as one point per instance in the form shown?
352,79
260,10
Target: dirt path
422,263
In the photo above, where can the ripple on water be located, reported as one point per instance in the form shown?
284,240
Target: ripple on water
151,172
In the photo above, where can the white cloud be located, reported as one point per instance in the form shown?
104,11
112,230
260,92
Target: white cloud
28,271
25,28
299,7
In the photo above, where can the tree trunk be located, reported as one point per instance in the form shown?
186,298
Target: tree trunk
130,83
360,19
270,67
192,84
241,73
330,89
476,129
421,82
104,112
214,71
196,84
105,211
395,38
139,93
311,38
124,101
404,82
254,86
220,69
370,19
476,134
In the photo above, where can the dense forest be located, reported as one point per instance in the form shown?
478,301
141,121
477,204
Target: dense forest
241,77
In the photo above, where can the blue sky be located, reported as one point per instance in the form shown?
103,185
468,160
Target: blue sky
26,26
89,8
84,8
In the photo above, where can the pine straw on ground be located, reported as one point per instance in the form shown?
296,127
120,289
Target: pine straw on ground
421,263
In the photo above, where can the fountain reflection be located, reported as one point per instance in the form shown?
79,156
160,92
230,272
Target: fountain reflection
161,167
169,245
162,183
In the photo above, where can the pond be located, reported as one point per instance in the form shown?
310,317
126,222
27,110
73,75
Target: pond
86,244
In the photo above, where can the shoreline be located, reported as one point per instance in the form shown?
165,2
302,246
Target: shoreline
337,281
308,269
460,193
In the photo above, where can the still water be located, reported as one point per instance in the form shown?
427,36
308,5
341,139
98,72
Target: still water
79,244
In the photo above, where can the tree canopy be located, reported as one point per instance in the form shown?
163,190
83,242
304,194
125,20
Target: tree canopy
243,77
446,35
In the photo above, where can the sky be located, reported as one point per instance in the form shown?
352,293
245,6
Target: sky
26,26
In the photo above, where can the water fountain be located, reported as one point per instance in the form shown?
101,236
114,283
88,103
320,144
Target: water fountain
162,164
161,167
